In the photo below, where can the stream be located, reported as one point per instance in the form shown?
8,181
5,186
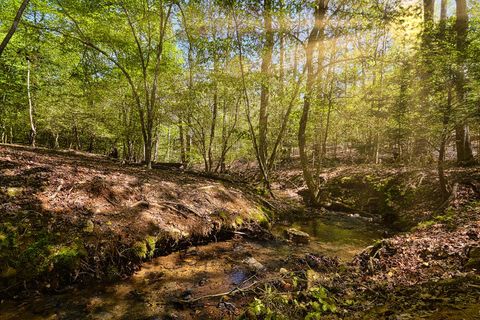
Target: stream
153,292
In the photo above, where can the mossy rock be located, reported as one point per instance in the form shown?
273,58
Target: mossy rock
297,236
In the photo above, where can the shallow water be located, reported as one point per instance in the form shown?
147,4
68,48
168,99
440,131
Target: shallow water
154,291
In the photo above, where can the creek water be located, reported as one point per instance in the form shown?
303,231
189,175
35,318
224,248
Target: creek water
154,291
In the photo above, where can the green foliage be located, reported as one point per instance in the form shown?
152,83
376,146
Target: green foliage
321,303
311,303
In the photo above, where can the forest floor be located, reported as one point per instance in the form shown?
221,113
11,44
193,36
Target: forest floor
72,218
68,216
426,267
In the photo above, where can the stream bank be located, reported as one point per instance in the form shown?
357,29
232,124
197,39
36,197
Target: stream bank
168,287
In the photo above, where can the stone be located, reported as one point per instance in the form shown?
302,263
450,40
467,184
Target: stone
297,236
253,264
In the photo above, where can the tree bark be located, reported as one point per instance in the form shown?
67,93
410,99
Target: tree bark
33,130
265,86
462,134
316,36
428,10
14,25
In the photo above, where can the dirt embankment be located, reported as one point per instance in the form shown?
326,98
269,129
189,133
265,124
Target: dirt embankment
431,271
67,216
400,197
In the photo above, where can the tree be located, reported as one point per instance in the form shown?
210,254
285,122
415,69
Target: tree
14,26
315,39
462,131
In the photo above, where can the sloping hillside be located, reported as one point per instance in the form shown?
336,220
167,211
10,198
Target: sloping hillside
66,216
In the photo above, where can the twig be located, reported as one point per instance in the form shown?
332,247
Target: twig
232,291
176,210
169,203
53,196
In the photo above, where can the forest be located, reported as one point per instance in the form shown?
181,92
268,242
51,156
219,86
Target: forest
239,159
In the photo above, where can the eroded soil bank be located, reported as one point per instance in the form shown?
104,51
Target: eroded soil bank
69,217
197,282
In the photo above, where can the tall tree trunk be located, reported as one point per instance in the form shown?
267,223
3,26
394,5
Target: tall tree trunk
212,128
462,134
428,10
263,169
265,86
443,183
33,130
183,156
281,36
443,11
14,26
315,38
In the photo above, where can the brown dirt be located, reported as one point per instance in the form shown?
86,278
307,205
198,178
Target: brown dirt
88,216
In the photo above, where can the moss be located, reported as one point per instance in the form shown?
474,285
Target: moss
346,179
14,192
260,216
3,240
89,226
46,254
424,225
8,237
140,249
151,242
238,221
66,257
223,215
34,258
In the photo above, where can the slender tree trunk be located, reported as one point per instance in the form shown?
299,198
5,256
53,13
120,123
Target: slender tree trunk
443,183
265,86
428,10
212,129
263,169
462,134
76,137
315,38
443,10
281,36
183,157
33,130
327,129
168,144
14,26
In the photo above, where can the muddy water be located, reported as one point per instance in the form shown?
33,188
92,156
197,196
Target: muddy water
156,291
